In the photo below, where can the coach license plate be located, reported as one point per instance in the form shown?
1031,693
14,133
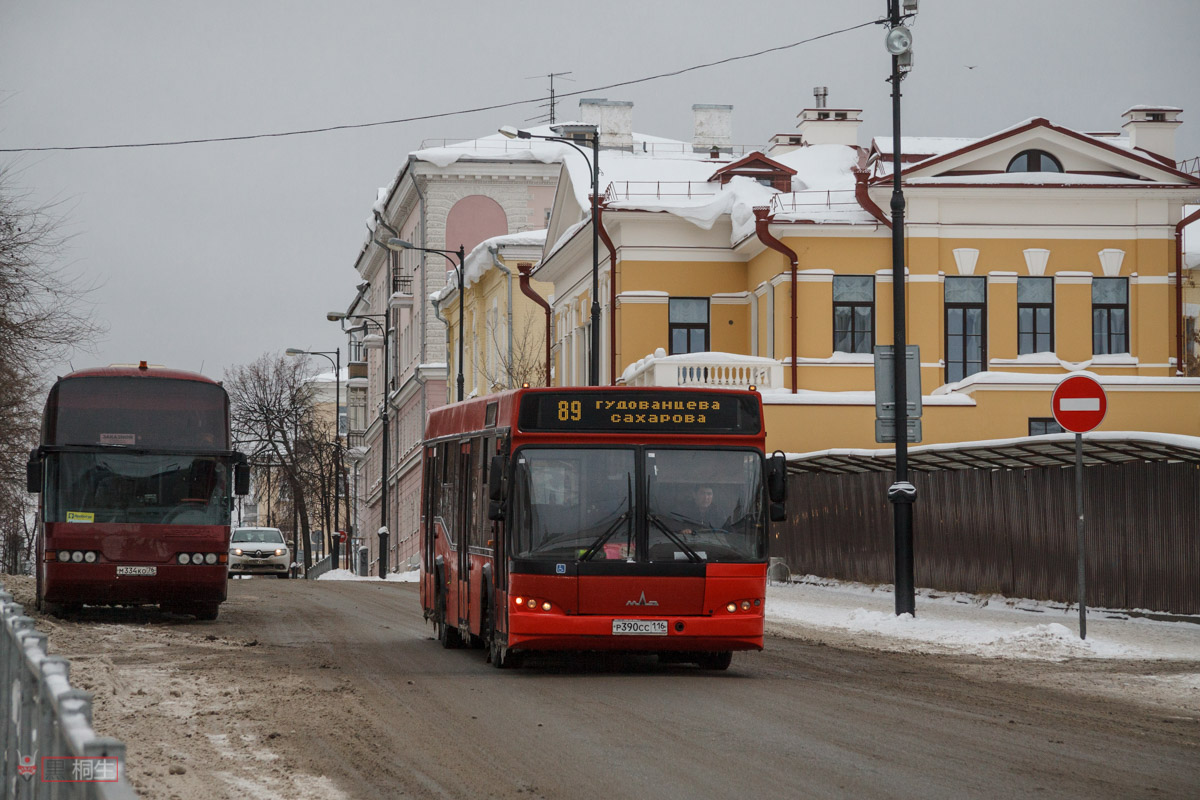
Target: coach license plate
137,571
639,627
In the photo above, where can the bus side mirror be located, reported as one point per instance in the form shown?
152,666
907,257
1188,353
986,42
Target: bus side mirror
241,478
496,488
778,512
33,473
777,478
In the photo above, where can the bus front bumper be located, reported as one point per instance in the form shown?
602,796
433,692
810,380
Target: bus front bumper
100,584
532,631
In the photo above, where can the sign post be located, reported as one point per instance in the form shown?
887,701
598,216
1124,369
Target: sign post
1079,405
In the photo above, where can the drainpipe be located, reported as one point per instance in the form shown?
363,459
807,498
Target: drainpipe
761,223
612,297
493,249
864,199
1179,345
525,268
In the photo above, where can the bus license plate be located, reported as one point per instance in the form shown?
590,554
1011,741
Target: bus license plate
639,627
137,571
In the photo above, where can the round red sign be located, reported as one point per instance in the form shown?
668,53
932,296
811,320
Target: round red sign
1079,404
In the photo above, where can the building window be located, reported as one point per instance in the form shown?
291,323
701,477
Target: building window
1039,426
853,313
1034,161
688,325
1035,315
966,327
1110,316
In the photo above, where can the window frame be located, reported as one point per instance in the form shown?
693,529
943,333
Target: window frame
673,326
1046,422
983,331
1107,309
1034,307
852,305
1040,155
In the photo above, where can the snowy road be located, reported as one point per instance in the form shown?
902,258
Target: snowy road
336,690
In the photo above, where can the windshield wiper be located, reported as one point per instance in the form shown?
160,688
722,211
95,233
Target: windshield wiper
604,537
674,537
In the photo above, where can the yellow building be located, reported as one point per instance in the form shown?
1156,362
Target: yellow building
506,332
1031,253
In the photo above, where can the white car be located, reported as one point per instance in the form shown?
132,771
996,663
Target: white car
258,551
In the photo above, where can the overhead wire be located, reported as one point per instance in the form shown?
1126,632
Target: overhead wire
440,115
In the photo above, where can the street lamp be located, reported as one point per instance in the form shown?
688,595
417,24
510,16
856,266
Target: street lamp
337,434
901,493
593,134
373,319
400,244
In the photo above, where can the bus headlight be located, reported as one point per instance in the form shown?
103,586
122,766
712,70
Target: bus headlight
197,558
732,607
183,558
89,557
77,556
64,555
210,558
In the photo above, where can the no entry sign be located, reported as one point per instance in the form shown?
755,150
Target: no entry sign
1079,404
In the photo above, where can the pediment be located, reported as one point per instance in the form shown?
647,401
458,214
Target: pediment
1079,154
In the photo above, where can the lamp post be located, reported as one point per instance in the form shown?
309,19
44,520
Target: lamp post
901,493
373,319
593,134
400,244
337,429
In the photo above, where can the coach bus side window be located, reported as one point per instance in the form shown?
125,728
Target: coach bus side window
448,455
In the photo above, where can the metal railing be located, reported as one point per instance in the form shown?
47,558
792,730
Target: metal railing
320,568
1190,165
815,199
48,747
633,190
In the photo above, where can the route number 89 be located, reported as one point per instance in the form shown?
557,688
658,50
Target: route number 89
569,410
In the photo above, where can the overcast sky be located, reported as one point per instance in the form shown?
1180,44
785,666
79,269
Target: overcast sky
209,255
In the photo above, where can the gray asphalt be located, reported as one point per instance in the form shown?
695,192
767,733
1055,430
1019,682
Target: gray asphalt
797,720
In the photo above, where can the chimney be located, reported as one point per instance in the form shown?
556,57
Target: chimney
822,125
713,127
1152,128
613,118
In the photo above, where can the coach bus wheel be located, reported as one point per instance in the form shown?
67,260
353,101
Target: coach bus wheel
717,661
497,656
447,634
205,611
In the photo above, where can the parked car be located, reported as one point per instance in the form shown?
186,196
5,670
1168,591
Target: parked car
258,551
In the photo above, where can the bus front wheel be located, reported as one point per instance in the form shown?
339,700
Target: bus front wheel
716,661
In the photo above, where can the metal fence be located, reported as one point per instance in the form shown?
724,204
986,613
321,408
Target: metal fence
319,568
1010,531
46,738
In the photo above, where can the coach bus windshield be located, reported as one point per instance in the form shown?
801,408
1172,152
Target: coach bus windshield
137,488
593,504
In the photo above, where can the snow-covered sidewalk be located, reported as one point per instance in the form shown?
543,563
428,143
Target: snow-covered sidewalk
988,626
412,576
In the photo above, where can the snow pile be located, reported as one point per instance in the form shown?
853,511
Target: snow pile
412,576
479,261
992,627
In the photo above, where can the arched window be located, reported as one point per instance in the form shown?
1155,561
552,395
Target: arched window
1034,161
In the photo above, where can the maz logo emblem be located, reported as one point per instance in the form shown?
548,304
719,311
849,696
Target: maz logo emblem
642,601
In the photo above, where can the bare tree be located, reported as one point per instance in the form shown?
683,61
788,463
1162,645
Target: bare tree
527,363
274,416
43,317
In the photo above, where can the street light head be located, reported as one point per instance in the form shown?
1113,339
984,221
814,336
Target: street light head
513,133
291,351
899,40
335,316
398,244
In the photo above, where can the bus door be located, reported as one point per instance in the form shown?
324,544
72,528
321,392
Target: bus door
468,487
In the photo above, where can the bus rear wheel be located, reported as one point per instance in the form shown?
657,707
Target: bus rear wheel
204,611
447,634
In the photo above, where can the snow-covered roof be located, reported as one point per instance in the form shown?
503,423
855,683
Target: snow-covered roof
479,261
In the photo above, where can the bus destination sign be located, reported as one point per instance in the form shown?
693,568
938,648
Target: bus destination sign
640,412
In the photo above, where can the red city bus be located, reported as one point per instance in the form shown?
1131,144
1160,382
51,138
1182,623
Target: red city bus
134,473
620,519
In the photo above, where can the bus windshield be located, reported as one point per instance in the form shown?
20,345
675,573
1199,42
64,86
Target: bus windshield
635,504
137,488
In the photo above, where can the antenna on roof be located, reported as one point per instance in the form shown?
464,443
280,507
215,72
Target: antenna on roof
549,117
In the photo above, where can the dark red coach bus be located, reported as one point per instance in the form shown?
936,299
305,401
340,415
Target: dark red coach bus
134,471
619,519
